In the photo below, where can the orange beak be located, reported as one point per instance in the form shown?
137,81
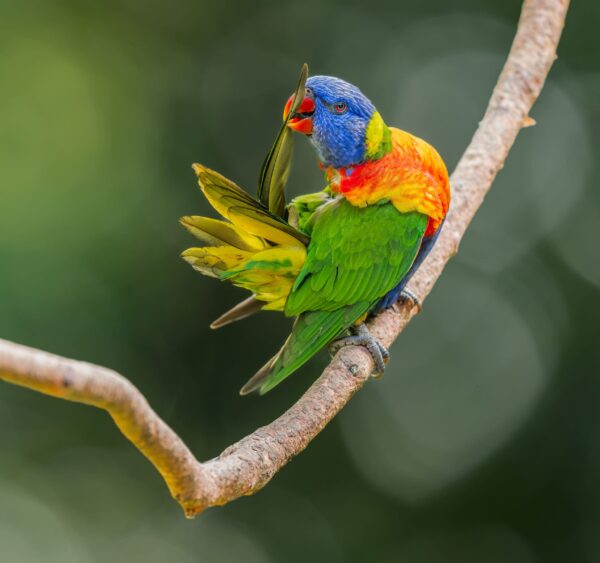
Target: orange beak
301,120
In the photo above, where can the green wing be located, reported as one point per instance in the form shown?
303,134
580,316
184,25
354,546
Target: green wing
356,255
276,167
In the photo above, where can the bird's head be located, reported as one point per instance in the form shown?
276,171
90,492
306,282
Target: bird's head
342,123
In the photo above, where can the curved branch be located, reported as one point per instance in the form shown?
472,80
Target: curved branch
246,467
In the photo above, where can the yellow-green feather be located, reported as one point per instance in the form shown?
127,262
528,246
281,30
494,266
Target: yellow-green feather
378,139
255,249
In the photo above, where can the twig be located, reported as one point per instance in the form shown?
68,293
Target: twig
248,465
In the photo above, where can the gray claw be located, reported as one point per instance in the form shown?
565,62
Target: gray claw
364,338
406,295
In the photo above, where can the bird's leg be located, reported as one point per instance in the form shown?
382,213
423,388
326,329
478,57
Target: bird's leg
406,295
398,294
362,337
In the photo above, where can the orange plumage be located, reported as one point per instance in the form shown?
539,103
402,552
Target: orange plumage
412,176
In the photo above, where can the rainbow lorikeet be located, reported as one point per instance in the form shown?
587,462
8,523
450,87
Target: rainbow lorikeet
330,258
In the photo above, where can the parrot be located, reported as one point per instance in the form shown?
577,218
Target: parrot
331,258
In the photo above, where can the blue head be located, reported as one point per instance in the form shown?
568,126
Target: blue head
335,114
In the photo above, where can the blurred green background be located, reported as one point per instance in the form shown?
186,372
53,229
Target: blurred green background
481,443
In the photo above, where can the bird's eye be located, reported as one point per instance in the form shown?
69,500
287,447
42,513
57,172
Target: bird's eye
340,107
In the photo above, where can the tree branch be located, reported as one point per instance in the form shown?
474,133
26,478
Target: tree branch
248,465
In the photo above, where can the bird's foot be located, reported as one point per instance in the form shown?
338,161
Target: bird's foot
409,296
397,296
363,337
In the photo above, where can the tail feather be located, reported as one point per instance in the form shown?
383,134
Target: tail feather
242,310
257,379
311,332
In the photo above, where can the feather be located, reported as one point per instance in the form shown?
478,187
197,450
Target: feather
235,204
310,333
219,233
276,167
242,310
214,261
